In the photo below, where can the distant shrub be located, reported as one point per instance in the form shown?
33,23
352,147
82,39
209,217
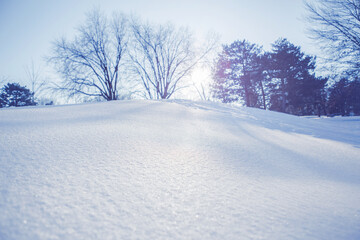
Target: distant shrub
14,95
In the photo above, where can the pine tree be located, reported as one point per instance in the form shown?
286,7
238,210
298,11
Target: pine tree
237,74
222,87
344,98
354,97
313,96
338,97
293,84
14,95
2,101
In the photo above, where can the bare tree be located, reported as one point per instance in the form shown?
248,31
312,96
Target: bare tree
92,63
202,91
163,56
38,85
336,24
201,81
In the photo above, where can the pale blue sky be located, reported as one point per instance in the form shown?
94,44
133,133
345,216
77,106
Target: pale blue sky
28,27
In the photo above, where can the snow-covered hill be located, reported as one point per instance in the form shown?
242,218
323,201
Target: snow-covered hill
176,170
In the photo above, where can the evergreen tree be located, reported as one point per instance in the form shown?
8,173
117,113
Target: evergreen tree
2,100
337,98
14,95
353,97
237,74
293,86
344,98
222,87
313,96
283,79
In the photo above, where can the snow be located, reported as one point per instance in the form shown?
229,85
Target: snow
177,170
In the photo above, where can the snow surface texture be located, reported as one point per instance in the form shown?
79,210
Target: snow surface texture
176,170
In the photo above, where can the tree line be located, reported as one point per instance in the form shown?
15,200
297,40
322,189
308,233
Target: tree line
282,80
108,53
117,57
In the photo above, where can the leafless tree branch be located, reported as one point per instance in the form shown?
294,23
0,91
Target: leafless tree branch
163,57
90,64
336,25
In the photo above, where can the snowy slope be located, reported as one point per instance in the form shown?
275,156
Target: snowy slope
176,170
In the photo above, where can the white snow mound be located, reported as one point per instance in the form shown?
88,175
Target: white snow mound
176,170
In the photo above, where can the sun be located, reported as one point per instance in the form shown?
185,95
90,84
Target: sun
200,81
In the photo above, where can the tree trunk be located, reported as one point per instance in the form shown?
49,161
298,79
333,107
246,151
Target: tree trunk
263,94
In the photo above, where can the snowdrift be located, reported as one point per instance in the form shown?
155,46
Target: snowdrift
176,170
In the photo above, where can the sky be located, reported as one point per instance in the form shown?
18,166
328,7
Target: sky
28,28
